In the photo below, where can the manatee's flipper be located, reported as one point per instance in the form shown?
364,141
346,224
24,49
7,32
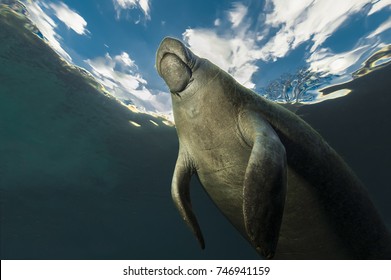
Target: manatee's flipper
264,185
180,191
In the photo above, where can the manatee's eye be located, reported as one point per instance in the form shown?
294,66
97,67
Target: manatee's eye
175,72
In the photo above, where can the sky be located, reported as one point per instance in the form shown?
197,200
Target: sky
262,44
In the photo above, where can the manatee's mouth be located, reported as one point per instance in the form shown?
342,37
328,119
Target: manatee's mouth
175,72
174,63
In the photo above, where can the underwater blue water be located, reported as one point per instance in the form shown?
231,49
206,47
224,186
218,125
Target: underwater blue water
84,177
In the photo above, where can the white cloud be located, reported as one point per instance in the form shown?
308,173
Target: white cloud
124,59
144,5
343,64
119,75
286,11
235,52
70,18
379,5
47,26
236,55
41,14
383,27
237,14
310,20
105,68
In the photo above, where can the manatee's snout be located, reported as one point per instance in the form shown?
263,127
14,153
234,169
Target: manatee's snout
174,63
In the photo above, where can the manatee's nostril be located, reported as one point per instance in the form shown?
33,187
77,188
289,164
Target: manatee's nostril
175,72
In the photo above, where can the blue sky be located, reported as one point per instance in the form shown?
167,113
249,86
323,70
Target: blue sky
255,41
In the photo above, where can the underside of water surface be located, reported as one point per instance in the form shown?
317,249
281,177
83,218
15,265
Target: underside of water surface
307,83
84,177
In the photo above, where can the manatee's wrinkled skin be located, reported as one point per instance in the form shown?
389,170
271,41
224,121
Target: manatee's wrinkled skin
273,176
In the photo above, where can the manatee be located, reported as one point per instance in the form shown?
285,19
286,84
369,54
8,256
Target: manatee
269,172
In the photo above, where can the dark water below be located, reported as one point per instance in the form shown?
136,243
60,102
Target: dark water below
78,181
358,126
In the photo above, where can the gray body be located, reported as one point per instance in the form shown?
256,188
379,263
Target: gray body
273,176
